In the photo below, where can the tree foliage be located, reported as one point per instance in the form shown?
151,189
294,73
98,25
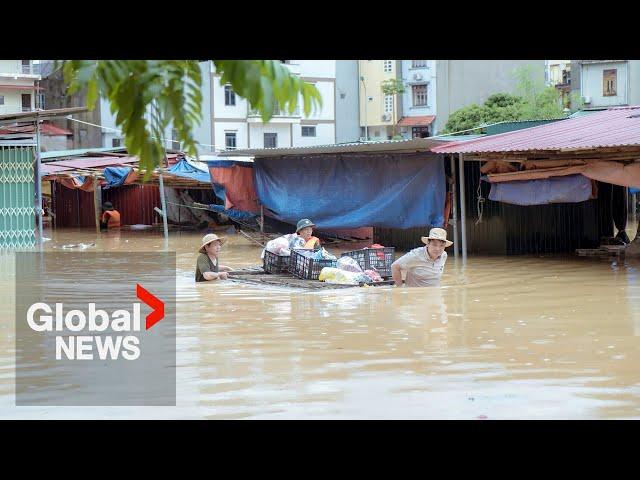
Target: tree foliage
146,96
532,101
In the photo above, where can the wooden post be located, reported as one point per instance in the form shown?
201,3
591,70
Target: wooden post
463,209
163,203
262,222
96,203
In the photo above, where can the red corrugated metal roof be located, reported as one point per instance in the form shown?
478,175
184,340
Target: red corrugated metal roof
615,127
45,129
423,121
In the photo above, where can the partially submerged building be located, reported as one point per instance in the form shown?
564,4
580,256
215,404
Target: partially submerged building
548,189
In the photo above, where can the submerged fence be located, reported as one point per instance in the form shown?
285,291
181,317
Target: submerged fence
17,209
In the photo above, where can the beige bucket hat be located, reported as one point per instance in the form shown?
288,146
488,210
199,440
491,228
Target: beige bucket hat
437,234
208,238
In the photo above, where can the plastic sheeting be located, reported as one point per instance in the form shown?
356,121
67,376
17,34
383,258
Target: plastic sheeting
232,213
350,191
570,189
237,181
185,169
116,176
610,172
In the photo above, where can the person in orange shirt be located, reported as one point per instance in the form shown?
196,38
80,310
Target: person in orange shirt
305,230
110,217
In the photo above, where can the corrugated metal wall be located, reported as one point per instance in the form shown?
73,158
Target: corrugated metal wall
72,207
511,229
136,203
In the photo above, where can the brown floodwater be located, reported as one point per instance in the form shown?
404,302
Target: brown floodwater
502,338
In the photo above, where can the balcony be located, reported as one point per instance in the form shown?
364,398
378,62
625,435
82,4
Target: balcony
253,116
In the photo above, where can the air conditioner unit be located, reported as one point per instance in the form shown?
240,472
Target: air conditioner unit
417,76
586,99
386,117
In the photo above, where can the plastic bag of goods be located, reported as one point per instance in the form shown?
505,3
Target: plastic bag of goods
322,254
349,264
337,276
295,240
373,275
277,246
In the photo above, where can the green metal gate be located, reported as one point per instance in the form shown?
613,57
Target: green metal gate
17,209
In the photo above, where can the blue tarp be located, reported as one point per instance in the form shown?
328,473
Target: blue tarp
351,191
185,169
232,213
115,176
569,189
633,190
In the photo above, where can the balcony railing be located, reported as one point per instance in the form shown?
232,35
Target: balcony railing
26,69
252,112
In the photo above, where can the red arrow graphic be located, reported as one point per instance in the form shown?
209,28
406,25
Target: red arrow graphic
154,302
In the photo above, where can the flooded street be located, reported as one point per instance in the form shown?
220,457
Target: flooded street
503,338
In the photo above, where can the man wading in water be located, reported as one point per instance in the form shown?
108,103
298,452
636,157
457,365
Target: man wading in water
424,265
207,266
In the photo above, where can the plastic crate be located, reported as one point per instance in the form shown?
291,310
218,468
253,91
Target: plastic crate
273,263
307,268
378,259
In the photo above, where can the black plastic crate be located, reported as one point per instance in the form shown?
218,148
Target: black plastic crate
273,263
378,259
307,268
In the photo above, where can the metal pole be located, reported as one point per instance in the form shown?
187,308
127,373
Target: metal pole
163,203
463,212
456,247
38,184
96,207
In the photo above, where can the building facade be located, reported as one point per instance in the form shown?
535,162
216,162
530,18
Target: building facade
19,91
236,125
607,83
463,82
347,101
419,98
378,112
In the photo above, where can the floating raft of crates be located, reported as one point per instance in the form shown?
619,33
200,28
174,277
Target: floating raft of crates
257,275
602,251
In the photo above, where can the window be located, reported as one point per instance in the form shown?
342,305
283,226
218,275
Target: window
418,63
26,102
387,66
419,95
230,140
26,66
388,103
1,99
609,82
40,100
229,96
116,142
270,140
308,131
419,132
174,139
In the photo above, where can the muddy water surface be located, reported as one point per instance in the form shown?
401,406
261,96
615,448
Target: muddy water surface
504,337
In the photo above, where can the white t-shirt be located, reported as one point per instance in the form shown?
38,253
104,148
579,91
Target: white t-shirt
421,270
